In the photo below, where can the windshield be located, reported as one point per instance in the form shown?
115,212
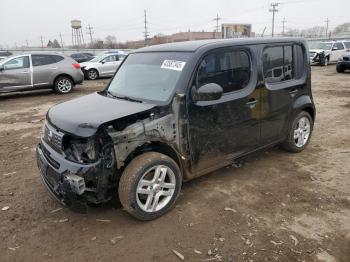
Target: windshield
149,76
321,45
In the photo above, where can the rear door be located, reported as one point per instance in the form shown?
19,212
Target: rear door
44,69
280,90
16,74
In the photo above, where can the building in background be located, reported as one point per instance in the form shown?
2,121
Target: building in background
236,30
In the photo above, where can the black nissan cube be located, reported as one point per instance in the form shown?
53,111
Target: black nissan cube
174,112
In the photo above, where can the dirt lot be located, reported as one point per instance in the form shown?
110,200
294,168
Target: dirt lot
283,207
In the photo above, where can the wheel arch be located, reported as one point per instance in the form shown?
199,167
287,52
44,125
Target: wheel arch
66,75
304,103
159,147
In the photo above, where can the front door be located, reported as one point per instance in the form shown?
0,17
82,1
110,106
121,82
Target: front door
338,50
223,129
110,65
16,74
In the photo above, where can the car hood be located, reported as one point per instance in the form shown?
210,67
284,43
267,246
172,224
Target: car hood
318,50
89,64
83,116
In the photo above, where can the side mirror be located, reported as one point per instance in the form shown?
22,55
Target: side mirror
207,92
2,67
102,62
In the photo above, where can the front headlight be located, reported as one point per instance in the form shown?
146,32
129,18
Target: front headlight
80,149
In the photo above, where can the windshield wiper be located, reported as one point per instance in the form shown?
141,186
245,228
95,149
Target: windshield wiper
123,97
128,99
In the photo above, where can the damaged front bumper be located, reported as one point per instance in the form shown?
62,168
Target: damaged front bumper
64,179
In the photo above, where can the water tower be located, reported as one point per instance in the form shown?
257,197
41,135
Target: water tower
77,34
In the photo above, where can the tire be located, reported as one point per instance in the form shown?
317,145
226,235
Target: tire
92,74
340,69
141,176
63,85
299,136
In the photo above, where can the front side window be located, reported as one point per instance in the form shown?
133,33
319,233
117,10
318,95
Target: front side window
229,69
339,46
111,58
39,60
347,45
17,63
278,64
149,76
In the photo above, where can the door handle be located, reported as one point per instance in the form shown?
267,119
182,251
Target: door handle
293,92
25,72
252,103
53,68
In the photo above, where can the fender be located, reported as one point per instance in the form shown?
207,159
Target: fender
302,102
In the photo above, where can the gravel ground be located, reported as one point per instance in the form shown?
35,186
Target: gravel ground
276,206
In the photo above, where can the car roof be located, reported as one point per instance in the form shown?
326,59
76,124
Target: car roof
192,46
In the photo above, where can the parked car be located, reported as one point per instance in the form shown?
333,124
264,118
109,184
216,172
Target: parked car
174,112
114,51
37,71
82,57
5,54
343,63
102,66
323,53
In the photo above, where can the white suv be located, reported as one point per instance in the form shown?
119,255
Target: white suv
326,52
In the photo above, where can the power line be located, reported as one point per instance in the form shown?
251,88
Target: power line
283,23
327,23
61,42
217,22
42,42
273,10
90,32
146,33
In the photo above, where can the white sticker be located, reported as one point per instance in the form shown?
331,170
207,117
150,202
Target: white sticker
173,65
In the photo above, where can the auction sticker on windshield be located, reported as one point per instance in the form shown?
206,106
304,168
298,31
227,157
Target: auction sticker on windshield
173,65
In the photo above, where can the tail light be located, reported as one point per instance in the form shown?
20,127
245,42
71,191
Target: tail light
76,65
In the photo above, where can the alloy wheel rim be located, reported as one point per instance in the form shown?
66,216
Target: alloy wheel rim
302,132
64,85
92,74
156,188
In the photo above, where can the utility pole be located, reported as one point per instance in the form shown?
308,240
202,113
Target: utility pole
27,43
146,33
283,22
61,42
89,28
42,42
217,23
327,23
273,10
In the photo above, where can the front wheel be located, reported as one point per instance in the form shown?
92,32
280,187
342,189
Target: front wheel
299,133
92,74
63,85
340,69
150,185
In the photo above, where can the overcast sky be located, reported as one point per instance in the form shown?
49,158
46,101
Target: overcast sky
22,20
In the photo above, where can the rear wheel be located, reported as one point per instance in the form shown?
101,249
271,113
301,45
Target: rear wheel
92,74
150,185
299,133
63,85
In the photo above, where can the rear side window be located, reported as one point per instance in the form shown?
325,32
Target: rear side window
299,61
347,45
229,69
278,64
39,60
57,58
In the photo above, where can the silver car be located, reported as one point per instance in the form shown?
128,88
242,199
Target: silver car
102,66
37,71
